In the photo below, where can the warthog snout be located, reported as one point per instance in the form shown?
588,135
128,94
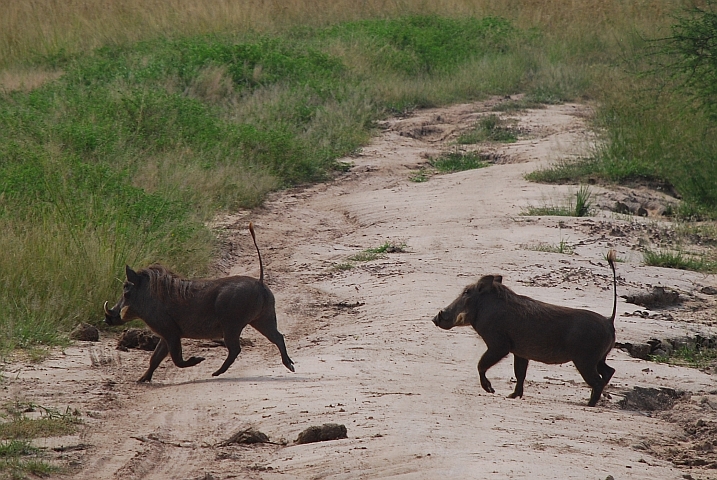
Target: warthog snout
111,318
442,321
533,330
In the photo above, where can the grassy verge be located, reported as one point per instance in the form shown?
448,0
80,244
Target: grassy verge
126,125
659,128
18,457
123,158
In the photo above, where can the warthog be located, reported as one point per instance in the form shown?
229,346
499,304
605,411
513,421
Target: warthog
534,330
176,308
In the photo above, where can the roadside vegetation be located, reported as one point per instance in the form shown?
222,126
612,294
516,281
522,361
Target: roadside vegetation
661,129
20,423
125,125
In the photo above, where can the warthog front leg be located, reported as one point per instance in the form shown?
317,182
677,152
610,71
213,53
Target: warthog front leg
159,354
520,366
175,350
489,358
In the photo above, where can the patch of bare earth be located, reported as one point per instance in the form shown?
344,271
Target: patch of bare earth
367,355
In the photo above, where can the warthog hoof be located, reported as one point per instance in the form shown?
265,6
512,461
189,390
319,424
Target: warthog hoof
192,361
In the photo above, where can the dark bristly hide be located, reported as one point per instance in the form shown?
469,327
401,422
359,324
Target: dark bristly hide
534,330
175,308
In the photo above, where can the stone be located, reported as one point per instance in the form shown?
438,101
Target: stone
327,431
86,333
137,338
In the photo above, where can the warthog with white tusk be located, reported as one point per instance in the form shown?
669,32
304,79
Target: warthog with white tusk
534,330
176,308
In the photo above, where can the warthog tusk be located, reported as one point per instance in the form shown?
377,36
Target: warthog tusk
107,312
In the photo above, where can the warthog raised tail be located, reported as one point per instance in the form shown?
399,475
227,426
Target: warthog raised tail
534,330
175,308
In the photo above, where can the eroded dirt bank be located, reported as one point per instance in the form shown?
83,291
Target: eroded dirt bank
367,355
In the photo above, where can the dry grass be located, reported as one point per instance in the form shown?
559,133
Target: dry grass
232,185
25,78
52,27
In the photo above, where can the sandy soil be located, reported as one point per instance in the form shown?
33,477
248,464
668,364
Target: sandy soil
366,353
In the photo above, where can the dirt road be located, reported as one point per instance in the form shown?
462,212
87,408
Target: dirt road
367,355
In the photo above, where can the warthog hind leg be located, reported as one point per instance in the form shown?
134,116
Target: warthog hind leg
267,327
605,371
160,353
489,358
590,374
520,366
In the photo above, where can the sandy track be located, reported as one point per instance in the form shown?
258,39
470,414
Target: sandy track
366,353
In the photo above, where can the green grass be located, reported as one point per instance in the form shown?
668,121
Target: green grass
379,252
17,467
50,423
689,356
563,247
458,162
420,176
451,162
576,206
678,260
547,210
18,456
490,128
566,171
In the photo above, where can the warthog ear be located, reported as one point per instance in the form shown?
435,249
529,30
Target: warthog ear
498,279
131,275
486,283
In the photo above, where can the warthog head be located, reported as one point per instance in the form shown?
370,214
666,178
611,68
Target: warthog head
123,312
456,314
